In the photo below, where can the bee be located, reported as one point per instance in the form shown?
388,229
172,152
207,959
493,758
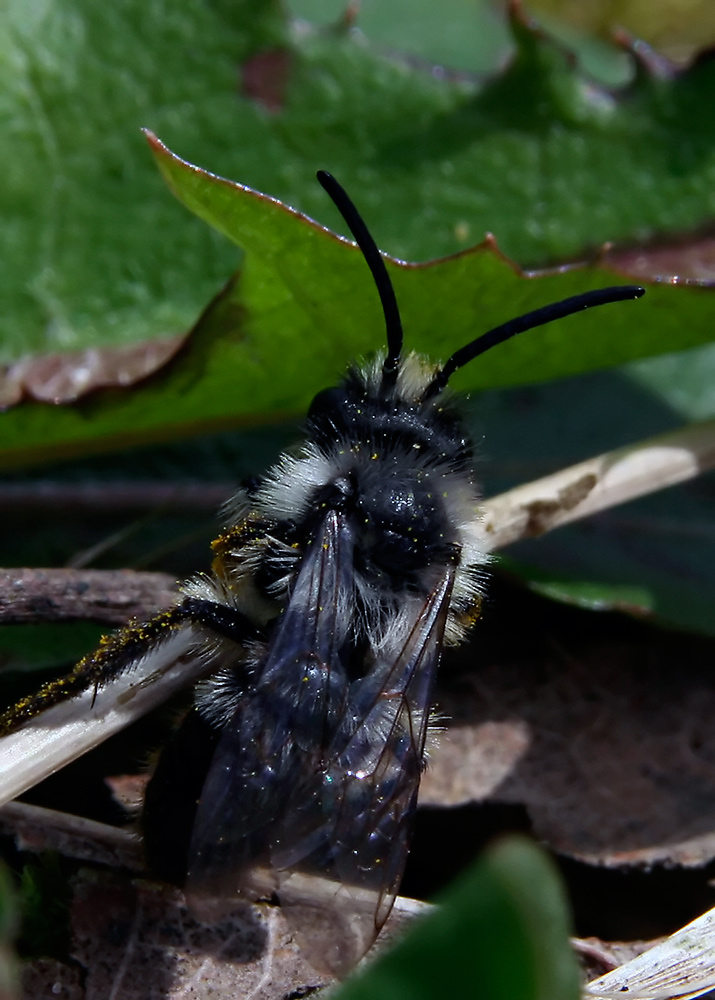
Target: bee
343,572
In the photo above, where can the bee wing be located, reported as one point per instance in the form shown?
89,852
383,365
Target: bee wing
279,734
314,781
341,849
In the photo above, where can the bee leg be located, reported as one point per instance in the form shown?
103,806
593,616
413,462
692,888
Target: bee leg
116,654
221,618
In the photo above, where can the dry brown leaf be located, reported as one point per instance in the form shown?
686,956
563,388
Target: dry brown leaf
611,749
128,791
65,378
139,942
47,979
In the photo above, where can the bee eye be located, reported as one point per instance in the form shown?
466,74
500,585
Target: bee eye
326,405
331,416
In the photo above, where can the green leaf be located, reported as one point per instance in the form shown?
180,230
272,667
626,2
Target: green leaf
501,932
596,596
465,35
93,252
542,156
303,305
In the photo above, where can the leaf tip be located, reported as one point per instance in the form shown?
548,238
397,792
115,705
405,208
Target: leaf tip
155,144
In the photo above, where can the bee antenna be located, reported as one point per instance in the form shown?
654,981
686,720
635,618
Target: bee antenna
557,310
373,259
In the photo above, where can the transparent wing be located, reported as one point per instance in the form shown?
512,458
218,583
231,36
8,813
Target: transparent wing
343,841
279,734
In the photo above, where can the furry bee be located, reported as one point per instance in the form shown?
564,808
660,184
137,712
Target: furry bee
343,572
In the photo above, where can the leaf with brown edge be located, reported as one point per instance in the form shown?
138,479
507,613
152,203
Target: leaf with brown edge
303,306
552,161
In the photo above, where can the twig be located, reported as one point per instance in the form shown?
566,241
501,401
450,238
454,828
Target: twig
110,596
128,497
40,829
60,734
598,484
681,967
